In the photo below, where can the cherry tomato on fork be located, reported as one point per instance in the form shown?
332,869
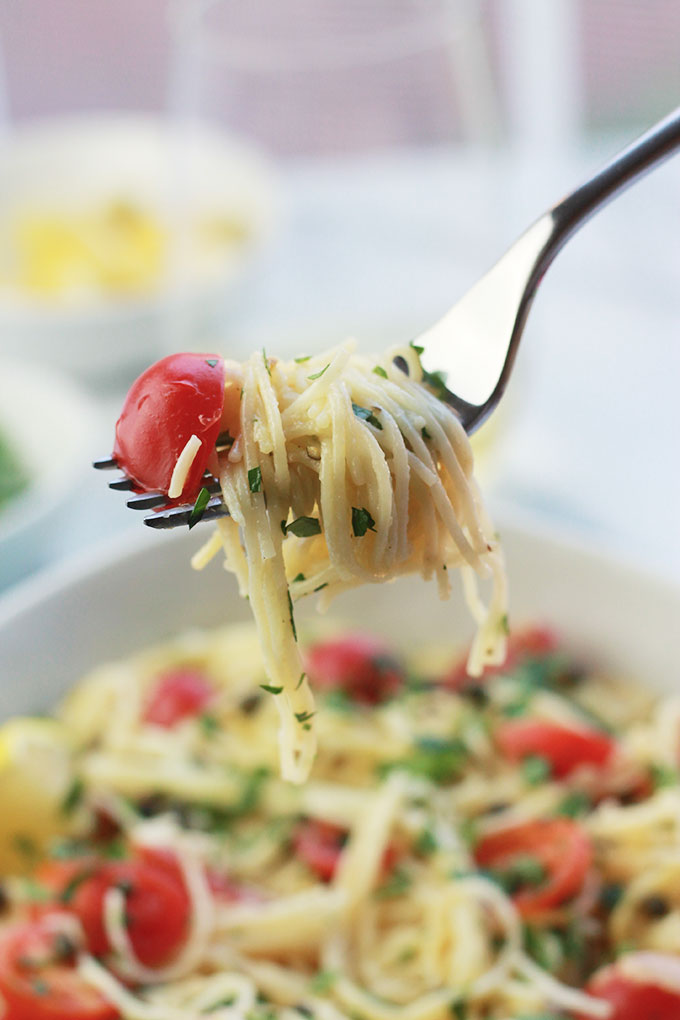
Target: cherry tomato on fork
642,999
565,747
179,396
561,848
156,905
360,665
38,979
178,694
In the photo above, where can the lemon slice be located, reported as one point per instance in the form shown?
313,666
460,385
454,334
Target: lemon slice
36,776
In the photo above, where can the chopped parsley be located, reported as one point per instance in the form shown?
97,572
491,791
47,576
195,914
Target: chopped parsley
379,370
436,381
317,375
74,796
664,775
199,507
209,724
270,689
301,360
522,871
292,616
300,577
426,843
459,1009
323,981
303,717
361,521
574,804
300,681
366,415
303,527
438,759
71,888
398,883
536,769
266,362
416,347
255,479
211,362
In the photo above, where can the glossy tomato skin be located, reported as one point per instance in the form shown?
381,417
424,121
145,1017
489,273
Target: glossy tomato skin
38,983
360,665
178,694
156,905
177,397
560,845
565,747
633,1000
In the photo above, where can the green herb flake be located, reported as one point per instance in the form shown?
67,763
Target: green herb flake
266,363
300,577
361,521
211,362
300,681
301,360
321,587
323,981
663,776
398,883
436,381
379,370
426,843
72,886
459,1009
270,689
303,717
209,724
574,804
74,796
365,414
504,624
522,871
536,769
255,479
303,527
317,375
417,348
292,616
199,508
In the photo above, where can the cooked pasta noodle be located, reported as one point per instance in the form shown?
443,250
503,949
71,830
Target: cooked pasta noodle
347,472
392,885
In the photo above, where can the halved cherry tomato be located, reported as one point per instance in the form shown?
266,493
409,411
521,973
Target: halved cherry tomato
177,695
528,643
223,888
156,905
565,747
637,1000
319,844
559,845
177,397
38,979
360,665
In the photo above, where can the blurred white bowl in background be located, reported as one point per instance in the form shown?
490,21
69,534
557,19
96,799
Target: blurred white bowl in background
48,422
205,200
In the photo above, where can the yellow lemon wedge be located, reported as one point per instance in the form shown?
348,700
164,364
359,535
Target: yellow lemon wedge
37,779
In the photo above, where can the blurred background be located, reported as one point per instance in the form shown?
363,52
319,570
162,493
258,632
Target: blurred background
221,175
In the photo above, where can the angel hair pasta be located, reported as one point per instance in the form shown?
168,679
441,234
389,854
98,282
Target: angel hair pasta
336,470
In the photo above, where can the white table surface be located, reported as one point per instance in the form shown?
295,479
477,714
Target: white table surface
380,247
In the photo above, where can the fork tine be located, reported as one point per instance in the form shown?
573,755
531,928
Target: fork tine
146,500
122,484
176,516
105,464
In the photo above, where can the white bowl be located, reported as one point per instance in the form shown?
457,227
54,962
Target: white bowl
106,605
49,423
178,172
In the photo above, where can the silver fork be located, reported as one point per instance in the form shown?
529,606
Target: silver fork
473,347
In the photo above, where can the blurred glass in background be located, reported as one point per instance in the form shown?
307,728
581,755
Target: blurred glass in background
222,174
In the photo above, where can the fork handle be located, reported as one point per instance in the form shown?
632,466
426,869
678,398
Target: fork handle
655,145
